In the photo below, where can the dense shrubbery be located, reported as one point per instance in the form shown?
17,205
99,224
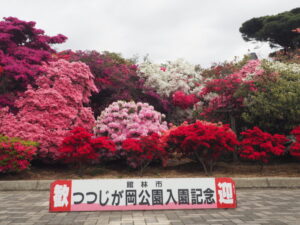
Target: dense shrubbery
122,120
261,146
80,148
202,141
275,106
295,146
15,154
23,49
139,153
117,79
62,91
47,113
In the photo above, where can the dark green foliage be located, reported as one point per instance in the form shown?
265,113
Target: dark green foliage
276,106
276,29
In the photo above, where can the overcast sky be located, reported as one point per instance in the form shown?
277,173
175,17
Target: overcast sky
200,31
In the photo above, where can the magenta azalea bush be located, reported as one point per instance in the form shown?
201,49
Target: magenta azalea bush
122,120
23,49
47,113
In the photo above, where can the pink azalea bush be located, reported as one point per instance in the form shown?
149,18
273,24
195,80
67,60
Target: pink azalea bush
47,113
15,154
23,49
122,120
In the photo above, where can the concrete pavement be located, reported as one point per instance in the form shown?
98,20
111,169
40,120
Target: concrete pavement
255,206
254,182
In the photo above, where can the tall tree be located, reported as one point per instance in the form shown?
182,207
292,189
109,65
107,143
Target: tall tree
275,29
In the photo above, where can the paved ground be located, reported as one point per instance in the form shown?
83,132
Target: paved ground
255,206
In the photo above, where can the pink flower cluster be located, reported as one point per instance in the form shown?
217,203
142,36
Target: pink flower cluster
47,113
122,120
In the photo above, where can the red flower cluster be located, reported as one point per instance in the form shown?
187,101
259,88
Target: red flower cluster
260,146
80,147
203,140
295,147
226,89
207,139
183,100
139,153
1,70
15,154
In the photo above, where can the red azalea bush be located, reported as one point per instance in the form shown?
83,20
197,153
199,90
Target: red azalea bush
295,147
261,146
203,141
79,147
139,153
23,49
183,100
15,154
47,113
223,98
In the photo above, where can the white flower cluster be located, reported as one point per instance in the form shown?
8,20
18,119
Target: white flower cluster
174,76
283,67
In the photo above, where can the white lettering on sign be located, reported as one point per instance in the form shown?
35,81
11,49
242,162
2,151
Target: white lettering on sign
225,193
142,194
60,196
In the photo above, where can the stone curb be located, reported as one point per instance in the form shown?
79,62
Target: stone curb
259,182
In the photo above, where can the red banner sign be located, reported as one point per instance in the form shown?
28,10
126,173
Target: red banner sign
142,194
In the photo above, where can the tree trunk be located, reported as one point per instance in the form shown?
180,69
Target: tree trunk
233,127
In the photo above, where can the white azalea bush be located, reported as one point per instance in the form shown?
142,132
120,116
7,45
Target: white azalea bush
179,81
280,67
178,75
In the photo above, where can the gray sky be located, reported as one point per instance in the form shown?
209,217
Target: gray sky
200,31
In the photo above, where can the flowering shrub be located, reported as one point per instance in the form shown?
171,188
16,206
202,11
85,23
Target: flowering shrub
261,146
174,76
295,147
226,95
221,70
117,79
122,120
79,147
204,141
23,49
15,154
281,67
275,106
287,56
48,112
183,100
139,153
